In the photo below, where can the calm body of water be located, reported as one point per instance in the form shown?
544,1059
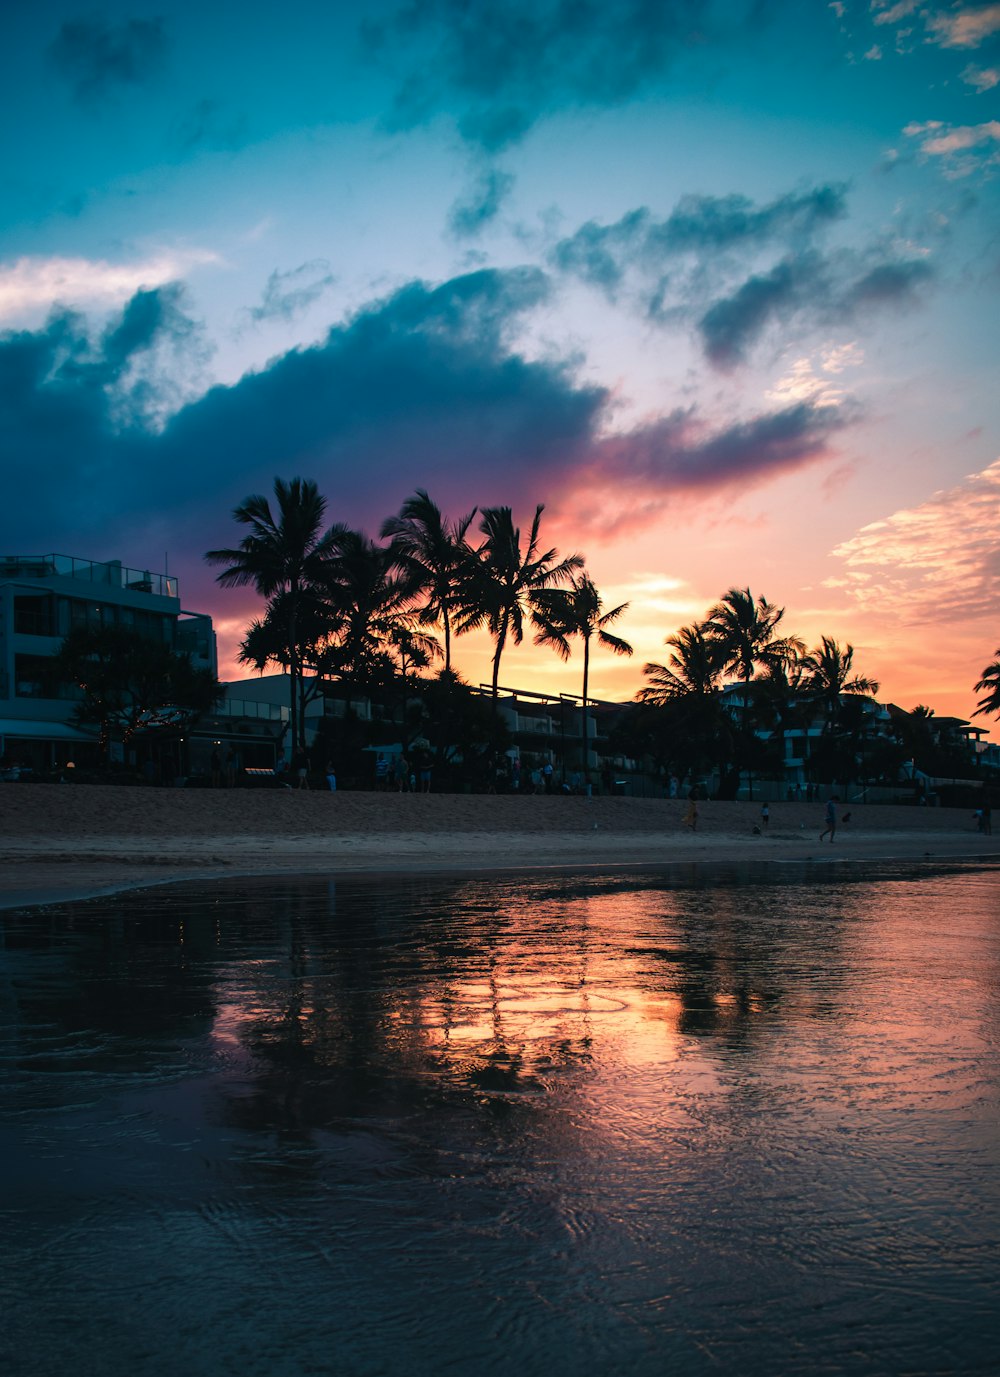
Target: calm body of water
657,1124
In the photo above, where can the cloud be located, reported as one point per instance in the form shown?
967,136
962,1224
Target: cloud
981,78
965,28
471,214
805,380
691,267
698,226
32,285
425,387
896,12
963,148
937,563
95,56
501,68
288,294
809,288
628,480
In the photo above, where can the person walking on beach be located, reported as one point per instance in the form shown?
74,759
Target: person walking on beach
831,819
300,768
691,816
765,815
331,777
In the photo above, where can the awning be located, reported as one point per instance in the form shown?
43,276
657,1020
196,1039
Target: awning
27,730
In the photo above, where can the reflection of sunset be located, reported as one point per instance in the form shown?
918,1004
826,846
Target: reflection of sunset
664,1123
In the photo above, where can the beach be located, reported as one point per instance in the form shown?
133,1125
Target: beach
66,841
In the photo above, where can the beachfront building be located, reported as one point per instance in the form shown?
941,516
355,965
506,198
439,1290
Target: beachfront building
42,599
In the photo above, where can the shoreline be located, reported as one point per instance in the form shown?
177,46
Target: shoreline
60,843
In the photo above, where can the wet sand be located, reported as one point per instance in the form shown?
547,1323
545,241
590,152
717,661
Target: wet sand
59,842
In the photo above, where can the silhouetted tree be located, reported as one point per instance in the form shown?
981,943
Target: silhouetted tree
283,554
560,613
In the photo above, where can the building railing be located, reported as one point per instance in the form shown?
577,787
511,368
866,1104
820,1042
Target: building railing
112,574
246,707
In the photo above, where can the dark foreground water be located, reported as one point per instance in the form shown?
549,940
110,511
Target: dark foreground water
658,1125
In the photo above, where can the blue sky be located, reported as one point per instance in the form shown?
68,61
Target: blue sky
717,283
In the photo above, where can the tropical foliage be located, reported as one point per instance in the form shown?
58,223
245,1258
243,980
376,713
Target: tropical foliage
366,613
129,683
989,686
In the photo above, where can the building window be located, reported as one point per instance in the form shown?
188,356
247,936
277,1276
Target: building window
34,616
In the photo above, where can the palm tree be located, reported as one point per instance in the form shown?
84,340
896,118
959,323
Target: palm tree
693,669
745,628
266,642
560,613
989,685
506,577
433,553
369,604
828,670
686,691
281,555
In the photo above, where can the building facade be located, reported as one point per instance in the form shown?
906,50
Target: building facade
42,599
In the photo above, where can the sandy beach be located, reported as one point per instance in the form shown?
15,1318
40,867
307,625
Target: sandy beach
59,842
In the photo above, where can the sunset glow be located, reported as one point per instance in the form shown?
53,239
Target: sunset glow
715,283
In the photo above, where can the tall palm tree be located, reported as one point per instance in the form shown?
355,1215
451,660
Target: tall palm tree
693,669
369,603
686,690
746,629
560,613
283,554
506,576
434,554
828,676
989,685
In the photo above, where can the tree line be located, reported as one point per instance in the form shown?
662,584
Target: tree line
375,613
379,615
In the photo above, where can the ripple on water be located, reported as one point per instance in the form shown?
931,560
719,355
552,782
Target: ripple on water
708,1123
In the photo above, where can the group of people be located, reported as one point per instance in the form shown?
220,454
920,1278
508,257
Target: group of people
395,774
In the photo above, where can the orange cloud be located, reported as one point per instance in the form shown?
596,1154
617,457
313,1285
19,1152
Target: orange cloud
934,563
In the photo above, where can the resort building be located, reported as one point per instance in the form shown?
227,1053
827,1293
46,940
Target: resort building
43,598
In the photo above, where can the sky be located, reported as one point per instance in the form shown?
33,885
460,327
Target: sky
716,282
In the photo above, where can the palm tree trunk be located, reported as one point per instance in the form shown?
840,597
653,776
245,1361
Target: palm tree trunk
501,641
447,640
586,741
293,667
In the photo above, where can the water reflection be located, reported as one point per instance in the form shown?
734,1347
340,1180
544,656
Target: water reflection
518,1126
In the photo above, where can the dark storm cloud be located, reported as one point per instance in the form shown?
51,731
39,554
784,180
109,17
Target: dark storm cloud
500,66
423,388
810,289
472,213
287,295
95,56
